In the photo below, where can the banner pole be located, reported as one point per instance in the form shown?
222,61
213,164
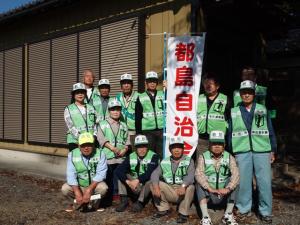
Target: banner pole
165,92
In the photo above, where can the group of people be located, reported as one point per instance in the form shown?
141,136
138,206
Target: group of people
115,146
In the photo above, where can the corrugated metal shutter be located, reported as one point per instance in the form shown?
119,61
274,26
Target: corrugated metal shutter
39,92
89,52
1,95
64,70
119,52
13,96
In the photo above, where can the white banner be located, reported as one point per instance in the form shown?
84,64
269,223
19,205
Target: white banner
184,67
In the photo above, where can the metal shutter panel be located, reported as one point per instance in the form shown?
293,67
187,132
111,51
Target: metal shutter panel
1,95
13,98
89,53
64,70
39,92
119,52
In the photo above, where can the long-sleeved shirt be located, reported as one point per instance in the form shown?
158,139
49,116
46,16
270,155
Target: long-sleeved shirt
124,168
69,122
202,179
187,179
100,170
248,118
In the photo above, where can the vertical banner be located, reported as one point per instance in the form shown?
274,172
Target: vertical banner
184,66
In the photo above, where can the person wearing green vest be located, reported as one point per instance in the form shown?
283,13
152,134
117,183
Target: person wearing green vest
134,175
217,177
88,81
213,111
261,95
86,171
101,99
253,142
113,137
128,99
173,182
149,113
79,116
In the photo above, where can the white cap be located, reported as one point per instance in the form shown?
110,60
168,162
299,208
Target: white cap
217,136
114,103
140,140
103,82
247,84
126,76
151,75
176,140
78,86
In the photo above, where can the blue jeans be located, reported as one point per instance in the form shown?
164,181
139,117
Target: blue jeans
258,164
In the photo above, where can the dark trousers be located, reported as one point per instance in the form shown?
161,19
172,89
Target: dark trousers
112,183
155,139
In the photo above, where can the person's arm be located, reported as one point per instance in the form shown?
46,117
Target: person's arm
101,169
71,172
101,138
272,135
200,173
138,116
150,168
68,120
189,178
235,176
227,109
228,137
156,174
122,170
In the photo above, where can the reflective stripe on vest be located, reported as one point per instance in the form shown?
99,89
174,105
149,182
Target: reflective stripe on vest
133,157
216,179
85,174
79,121
118,141
152,118
213,119
181,171
258,140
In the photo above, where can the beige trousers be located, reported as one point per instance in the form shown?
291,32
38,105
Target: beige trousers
168,195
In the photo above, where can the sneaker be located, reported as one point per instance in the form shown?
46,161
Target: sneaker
266,219
205,221
182,218
70,208
137,207
229,219
160,214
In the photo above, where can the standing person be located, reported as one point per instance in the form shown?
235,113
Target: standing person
134,174
86,171
172,182
102,98
217,175
213,111
149,113
128,99
261,92
253,142
79,116
88,81
113,138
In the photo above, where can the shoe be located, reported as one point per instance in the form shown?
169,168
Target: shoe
160,214
182,218
206,221
266,219
123,204
229,219
70,208
116,198
245,218
137,207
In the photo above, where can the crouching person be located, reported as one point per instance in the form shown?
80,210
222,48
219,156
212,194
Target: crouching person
134,174
176,185
86,170
217,176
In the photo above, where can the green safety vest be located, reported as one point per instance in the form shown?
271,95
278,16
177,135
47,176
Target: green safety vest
128,112
118,141
98,107
214,118
260,96
181,171
85,174
83,125
133,157
95,93
258,139
152,118
217,179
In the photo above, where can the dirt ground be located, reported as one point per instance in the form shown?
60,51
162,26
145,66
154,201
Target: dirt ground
27,199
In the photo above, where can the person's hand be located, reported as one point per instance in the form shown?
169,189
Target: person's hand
272,157
223,191
87,195
134,184
78,197
180,191
213,191
115,150
122,153
156,191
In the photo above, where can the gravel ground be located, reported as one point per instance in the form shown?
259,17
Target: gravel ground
27,199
